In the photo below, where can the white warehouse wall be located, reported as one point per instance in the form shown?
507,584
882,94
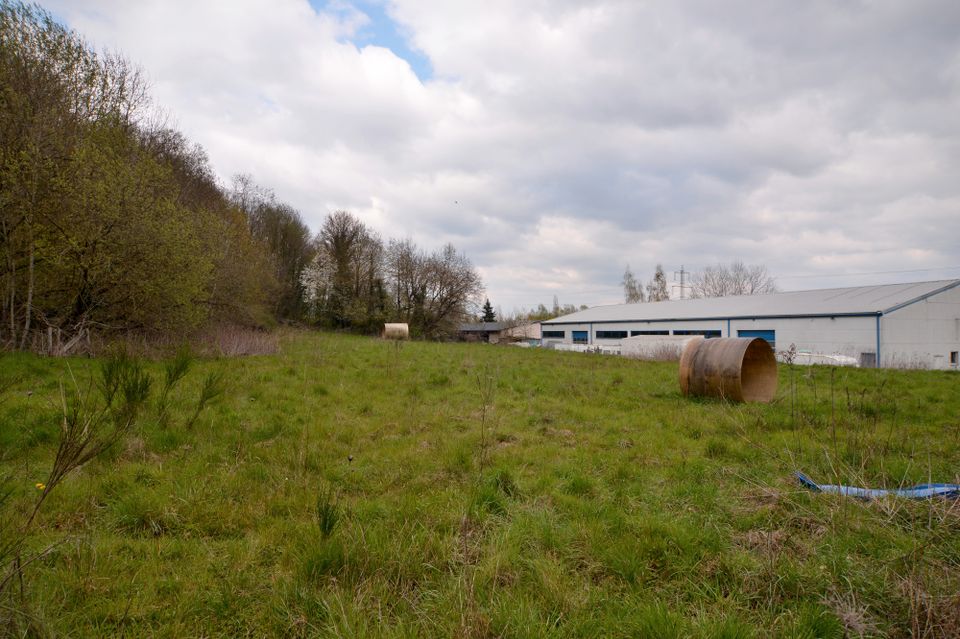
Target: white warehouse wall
922,334
850,336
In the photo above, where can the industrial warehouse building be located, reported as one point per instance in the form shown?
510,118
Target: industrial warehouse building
892,325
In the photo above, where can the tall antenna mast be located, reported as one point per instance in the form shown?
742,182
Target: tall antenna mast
682,273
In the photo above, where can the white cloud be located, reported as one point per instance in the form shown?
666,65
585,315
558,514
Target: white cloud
559,140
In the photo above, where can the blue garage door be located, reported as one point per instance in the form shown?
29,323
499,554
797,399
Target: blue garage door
770,336
580,337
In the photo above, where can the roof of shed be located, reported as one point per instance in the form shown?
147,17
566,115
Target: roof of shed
482,327
856,300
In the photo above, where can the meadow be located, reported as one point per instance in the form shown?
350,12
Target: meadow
351,487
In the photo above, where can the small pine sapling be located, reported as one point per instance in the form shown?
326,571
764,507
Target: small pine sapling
212,388
174,370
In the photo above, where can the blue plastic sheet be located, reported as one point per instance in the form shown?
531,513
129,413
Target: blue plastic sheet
920,491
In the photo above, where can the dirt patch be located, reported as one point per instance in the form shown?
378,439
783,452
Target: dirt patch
559,433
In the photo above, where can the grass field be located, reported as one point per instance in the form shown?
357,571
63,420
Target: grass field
475,491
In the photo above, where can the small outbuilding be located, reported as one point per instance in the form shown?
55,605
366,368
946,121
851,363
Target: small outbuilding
481,332
527,333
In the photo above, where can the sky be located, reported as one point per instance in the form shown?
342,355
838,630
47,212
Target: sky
555,142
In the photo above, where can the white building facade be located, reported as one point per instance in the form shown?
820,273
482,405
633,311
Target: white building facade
914,325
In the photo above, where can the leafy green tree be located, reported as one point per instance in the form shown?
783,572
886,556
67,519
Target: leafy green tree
286,240
344,282
120,252
105,222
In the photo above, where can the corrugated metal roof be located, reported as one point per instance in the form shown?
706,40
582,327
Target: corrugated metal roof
857,300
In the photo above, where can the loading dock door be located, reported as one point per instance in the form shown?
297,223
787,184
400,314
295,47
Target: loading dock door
580,337
770,336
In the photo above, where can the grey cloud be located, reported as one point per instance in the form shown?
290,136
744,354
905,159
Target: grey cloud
576,137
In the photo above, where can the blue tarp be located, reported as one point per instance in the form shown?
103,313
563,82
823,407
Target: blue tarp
920,491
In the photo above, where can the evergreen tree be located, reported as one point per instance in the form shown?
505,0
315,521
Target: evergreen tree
488,314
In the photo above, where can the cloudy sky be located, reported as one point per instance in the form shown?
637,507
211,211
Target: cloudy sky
556,141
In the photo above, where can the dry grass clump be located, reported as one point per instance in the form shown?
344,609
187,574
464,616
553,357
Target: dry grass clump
224,340
237,341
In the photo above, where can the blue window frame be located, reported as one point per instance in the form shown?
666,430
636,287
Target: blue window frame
770,336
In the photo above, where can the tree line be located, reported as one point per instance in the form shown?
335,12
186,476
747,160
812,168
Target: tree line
720,280
110,220
656,288
356,280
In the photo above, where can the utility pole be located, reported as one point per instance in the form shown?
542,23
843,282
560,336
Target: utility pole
682,273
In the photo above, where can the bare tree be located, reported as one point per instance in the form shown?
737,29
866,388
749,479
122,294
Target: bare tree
632,288
736,278
657,287
453,288
354,282
404,265
432,292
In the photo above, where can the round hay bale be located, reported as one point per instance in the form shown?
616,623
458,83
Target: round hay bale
396,331
736,368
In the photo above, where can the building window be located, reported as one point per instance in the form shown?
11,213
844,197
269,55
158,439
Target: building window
705,333
581,337
554,334
635,333
770,336
611,334
955,357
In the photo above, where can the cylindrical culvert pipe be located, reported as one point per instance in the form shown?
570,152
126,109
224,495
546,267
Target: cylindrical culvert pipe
740,369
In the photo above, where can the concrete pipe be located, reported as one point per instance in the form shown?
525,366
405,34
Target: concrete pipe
660,348
735,368
396,331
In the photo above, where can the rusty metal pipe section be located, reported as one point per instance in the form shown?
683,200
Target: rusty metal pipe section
740,369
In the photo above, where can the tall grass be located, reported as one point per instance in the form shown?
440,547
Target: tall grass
328,513
561,495
91,423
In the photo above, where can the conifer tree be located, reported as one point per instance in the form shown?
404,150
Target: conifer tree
488,314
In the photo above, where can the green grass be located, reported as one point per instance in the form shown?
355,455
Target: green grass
572,496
